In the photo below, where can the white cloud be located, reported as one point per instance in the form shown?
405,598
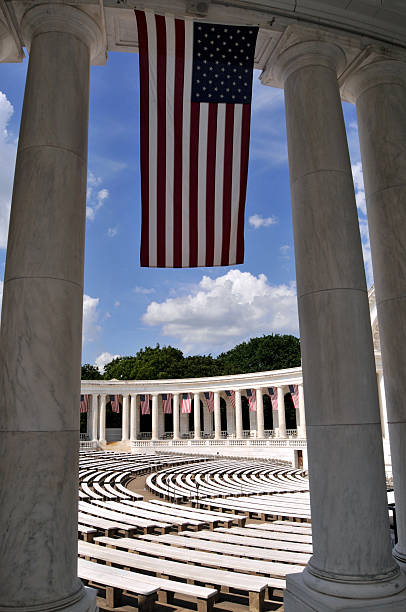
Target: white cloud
116,304
95,197
144,290
220,312
7,155
91,326
359,187
103,359
259,221
284,250
112,231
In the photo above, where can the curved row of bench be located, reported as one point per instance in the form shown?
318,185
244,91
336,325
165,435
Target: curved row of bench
224,479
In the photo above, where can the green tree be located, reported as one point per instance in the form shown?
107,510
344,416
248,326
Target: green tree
273,352
90,372
200,365
148,364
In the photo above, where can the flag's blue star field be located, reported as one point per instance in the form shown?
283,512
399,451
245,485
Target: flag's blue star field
223,58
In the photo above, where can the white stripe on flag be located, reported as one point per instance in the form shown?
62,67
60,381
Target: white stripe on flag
218,199
201,194
235,191
187,93
153,137
170,140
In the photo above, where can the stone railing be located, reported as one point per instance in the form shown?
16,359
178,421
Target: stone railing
271,442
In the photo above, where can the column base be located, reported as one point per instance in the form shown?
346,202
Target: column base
300,598
86,604
400,558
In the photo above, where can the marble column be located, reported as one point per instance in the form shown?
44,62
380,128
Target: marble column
260,414
125,419
175,410
217,416
41,326
352,556
161,418
301,426
196,415
134,418
155,417
95,415
7,45
102,419
238,415
379,90
281,413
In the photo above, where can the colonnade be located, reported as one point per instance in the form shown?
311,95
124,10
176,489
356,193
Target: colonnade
130,429
352,566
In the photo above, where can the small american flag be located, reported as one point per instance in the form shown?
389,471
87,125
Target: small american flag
209,397
294,392
144,403
186,403
252,400
231,397
84,403
195,88
115,404
166,403
274,398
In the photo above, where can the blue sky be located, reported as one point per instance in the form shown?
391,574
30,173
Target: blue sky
199,310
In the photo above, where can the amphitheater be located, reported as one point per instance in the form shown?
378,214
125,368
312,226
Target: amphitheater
234,509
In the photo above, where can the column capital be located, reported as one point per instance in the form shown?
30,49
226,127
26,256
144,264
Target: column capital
379,68
298,48
55,17
7,46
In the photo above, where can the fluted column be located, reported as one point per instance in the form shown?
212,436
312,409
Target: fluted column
155,417
125,419
281,413
41,325
260,413
352,555
217,416
238,415
196,415
379,90
175,410
95,415
134,420
102,419
301,428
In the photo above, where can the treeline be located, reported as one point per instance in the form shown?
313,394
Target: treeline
273,352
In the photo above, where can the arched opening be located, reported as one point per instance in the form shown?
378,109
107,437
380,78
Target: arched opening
168,420
245,414
146,420
223,414
290,412
113,419
268,417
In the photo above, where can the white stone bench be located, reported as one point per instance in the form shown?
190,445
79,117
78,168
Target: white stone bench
140,523
205,596
106,526
266,534
86,532
249,552
253,585
115,581
287,532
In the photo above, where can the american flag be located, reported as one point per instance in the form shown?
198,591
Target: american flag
252,400
144,403
231,397
166,403
115,404
84,403
274,397
195,87
209,397
294,392
186,403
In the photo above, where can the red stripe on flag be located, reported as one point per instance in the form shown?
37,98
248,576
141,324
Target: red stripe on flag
178,142
144,134
245,146
193,182
227,183
161,145
211,182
